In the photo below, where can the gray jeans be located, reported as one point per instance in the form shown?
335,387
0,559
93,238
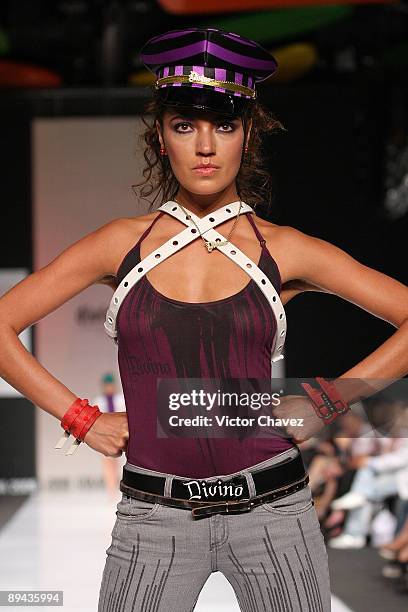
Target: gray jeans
160,557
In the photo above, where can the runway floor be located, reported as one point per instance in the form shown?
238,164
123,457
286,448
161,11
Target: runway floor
41,547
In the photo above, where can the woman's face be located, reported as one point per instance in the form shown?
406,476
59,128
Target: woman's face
204,149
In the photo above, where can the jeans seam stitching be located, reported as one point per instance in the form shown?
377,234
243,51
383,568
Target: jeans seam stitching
289,512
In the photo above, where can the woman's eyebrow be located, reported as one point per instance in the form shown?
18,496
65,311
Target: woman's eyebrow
182,117
225,119
216,119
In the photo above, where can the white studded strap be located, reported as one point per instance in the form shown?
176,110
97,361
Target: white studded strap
250,267
174,244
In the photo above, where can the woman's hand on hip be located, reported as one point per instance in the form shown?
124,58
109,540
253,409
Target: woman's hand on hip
299,417
109,434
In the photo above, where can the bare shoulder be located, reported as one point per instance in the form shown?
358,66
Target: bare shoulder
131,226
277,232
293,242
281,239
269,229
121,235
293,251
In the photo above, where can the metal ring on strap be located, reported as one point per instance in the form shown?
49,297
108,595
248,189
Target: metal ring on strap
174,244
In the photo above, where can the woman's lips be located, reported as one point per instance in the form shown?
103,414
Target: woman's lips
203,170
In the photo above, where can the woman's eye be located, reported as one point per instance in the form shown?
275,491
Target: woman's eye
227,125
178,125
182,127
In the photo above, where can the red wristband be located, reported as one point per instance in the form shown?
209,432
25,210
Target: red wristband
333,394
77,421
82,420
73,412
88,424
326,401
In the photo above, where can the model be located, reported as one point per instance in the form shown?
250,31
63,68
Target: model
184,308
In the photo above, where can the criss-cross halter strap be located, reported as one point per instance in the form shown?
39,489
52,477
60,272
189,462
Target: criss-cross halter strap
184,237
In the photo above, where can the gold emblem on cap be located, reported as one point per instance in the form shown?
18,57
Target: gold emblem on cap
194,77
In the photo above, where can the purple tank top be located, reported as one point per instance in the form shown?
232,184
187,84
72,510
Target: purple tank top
160,337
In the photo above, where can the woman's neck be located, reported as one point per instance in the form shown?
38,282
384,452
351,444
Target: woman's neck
203,204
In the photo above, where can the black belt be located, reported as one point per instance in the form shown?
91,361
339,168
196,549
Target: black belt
221,495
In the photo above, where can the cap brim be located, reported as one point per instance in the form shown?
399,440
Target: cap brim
203,99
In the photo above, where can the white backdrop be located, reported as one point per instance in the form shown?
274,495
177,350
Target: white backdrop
83,169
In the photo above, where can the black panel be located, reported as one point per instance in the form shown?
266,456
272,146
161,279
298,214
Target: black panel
17,448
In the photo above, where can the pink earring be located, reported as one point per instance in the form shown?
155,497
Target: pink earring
162,151
246,149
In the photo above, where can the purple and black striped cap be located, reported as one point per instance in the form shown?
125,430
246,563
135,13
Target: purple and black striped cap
207,68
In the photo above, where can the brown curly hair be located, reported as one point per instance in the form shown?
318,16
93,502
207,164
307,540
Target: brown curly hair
253,181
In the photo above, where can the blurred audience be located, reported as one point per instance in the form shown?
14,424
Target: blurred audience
359,480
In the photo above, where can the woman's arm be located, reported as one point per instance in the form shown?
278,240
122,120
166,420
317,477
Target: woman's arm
327,267
79,266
